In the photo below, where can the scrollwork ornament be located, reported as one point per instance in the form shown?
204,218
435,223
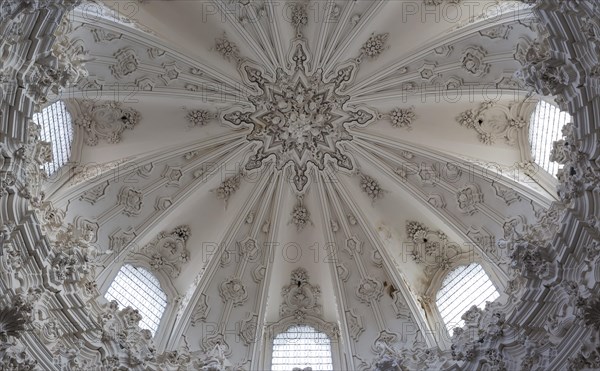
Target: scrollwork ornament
233,290
105,121
369,290
300,297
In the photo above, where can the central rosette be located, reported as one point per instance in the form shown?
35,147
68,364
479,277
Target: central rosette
299,117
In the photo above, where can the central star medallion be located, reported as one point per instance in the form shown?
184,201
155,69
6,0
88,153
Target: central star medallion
299,117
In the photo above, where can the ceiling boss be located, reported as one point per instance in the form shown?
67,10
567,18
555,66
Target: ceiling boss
299,115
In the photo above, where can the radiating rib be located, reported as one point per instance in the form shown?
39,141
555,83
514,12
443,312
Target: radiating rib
251,42
257,194
152,41
327,42
275,33
351,37
443,39
371,92
321,35
267,44
177,199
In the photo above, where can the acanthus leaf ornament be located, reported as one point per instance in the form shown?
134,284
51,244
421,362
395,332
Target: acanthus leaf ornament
431,248
299,17
541,71
228,49
228,187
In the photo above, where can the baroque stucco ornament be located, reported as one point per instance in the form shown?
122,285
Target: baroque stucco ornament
105,120
300,297
487,342
299,116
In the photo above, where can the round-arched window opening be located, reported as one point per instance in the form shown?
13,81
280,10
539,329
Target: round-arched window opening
57,129
462,288
301,347
138,288
545,128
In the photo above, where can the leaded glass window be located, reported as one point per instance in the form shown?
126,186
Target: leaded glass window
301,347
57,129
137,288
545,128
462,288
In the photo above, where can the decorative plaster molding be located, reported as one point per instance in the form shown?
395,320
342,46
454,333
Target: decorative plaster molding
167,252
300,297
468,198
301,129
371,187
228,187
431,249
127,63
228,49
375,45
472,61
553,258
199,117
300,215
132,201
233,290
402,117
105,121
492,121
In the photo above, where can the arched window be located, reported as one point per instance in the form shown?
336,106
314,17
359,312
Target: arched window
544,129
462,288
137,288
56,128
301,347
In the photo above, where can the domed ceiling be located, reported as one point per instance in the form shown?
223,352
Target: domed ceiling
336,137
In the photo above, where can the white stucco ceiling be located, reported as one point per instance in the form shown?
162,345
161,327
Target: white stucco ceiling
185,33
